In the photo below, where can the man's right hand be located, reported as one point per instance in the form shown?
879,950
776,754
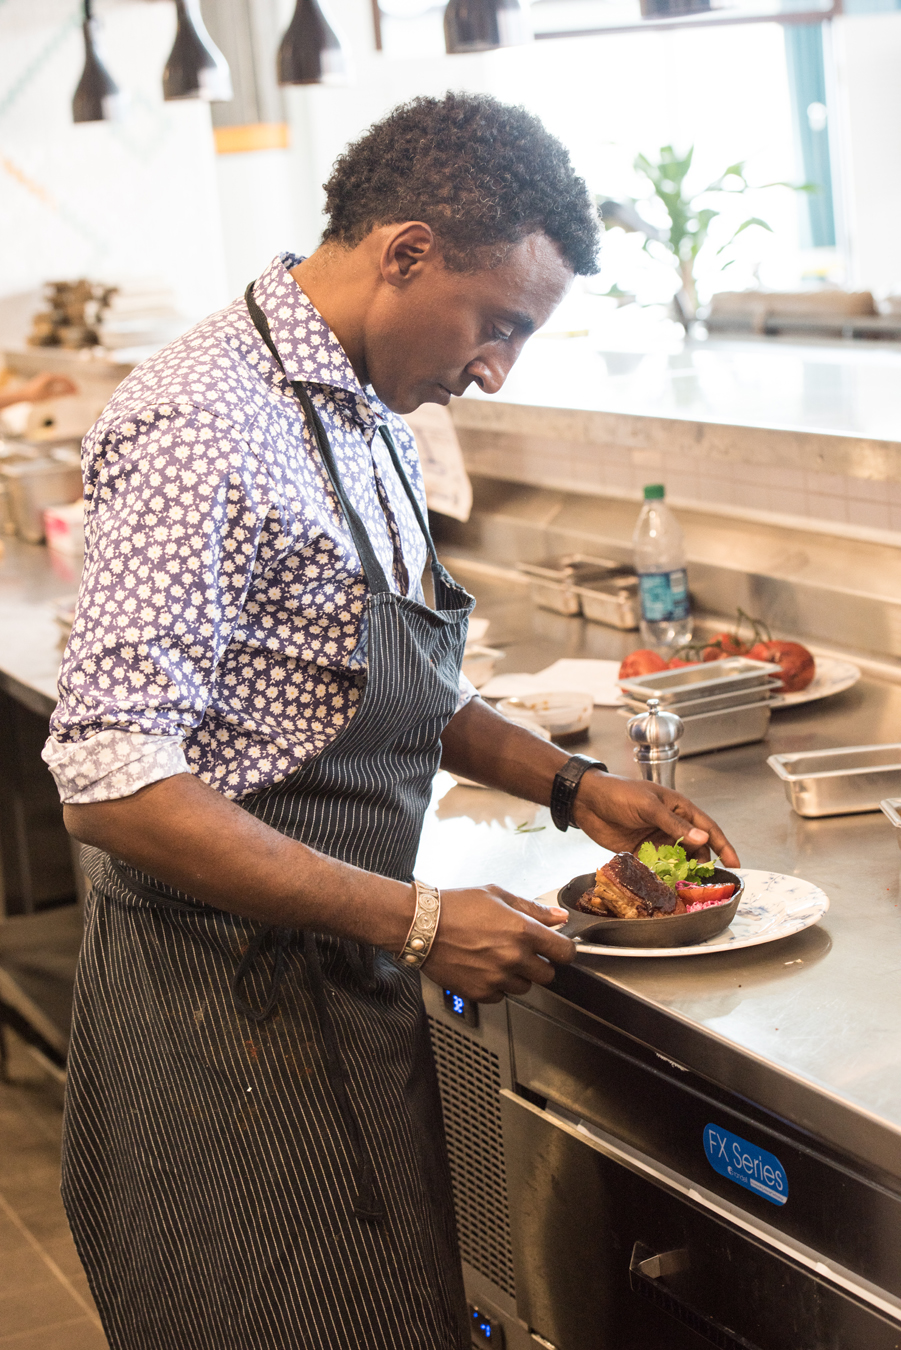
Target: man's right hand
491,943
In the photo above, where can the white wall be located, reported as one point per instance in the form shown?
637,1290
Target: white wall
259,211
137,199
868,73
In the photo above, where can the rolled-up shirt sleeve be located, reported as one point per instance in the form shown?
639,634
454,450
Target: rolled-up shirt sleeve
178,510
467,691
112,764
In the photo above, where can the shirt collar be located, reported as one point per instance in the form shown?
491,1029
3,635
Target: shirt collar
308,348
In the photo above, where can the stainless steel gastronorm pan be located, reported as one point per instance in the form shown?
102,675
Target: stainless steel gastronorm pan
729,698
615,602
718,730
841,781
701,681
554,583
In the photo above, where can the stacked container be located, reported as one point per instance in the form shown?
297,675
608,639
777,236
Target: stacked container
721,703
598,588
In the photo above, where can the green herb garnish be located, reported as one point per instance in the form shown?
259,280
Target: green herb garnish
671,863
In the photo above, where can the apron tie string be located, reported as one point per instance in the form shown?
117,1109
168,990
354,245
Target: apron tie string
279,937
368,1204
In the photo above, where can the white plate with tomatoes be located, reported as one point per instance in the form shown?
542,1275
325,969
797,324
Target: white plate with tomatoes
804,678
773,906
832,677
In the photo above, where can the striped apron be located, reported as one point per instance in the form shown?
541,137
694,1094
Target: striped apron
254,1155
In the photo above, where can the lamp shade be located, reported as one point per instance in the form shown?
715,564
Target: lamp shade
311,51
481,25
196,68
97,97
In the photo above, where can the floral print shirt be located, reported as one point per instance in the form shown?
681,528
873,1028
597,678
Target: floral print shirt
221,622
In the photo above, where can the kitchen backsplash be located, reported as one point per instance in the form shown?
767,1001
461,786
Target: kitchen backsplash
857,507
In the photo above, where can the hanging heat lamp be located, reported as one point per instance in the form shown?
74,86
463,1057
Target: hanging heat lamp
97,97
196,68
311,51
483,25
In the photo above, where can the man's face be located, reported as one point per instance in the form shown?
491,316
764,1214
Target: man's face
433,338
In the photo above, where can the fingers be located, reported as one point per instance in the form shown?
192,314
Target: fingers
546,914
555,947
703,830
548,944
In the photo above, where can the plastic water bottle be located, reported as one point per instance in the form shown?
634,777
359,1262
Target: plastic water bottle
660,562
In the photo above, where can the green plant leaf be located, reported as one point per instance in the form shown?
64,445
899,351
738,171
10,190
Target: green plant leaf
795,187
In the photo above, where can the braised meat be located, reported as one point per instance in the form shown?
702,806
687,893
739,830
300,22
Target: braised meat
630,890
589,903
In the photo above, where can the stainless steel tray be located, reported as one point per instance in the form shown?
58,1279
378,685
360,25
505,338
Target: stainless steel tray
889,808
555,582
615,603
691,707
730,726
841,781
703,681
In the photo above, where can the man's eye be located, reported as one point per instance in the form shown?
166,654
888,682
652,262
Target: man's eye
501,336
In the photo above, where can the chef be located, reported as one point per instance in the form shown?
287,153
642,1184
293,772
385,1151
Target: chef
253,703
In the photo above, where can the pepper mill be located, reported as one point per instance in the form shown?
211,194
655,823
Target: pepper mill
655,734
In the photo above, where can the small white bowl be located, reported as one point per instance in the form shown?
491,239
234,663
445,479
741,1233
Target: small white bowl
561,714
521,718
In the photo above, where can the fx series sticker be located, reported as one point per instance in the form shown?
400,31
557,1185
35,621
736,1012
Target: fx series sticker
746,1164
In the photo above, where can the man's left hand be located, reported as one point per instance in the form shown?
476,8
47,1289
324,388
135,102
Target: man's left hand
620,813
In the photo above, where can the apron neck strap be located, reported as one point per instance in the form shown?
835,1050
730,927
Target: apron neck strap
408,488
372,568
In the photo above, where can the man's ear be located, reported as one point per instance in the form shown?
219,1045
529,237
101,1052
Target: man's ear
406,251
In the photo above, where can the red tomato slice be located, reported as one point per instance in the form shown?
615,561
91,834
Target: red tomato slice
697,893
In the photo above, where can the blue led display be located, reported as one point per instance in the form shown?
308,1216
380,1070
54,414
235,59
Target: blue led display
461,1007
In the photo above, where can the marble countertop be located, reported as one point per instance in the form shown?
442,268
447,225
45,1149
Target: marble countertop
832,388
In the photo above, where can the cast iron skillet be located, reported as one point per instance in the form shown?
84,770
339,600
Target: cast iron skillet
677,930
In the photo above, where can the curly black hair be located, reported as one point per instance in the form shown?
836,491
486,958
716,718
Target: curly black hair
483,174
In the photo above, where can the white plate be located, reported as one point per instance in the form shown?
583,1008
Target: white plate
773,906
832,677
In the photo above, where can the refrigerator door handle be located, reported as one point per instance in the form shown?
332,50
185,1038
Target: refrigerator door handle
648,1268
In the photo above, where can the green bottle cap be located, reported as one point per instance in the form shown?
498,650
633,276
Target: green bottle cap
654,491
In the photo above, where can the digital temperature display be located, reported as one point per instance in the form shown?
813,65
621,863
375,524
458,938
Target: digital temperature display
486,1330
461,1007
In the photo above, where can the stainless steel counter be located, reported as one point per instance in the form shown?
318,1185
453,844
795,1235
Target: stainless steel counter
807,1027
32,581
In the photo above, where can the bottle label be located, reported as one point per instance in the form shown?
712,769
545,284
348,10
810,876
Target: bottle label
664,595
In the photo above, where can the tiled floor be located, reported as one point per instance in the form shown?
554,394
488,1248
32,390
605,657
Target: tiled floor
44,1299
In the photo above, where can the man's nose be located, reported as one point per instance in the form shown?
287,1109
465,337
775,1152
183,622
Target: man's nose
490,372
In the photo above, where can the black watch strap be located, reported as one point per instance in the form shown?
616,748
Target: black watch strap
566,785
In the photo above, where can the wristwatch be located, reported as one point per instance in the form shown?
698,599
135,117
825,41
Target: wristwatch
566,785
